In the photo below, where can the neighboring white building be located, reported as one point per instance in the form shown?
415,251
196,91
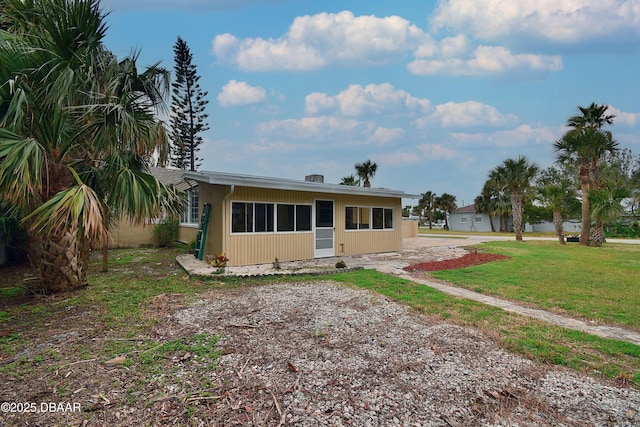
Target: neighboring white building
466,219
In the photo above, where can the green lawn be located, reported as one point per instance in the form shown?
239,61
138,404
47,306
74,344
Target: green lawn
601,284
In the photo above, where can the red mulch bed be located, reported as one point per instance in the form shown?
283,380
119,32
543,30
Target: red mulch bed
467,260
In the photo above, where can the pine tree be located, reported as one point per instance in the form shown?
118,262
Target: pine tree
187,110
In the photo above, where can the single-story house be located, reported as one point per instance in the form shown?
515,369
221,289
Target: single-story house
466,218
255,219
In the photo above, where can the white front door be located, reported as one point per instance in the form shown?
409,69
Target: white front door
324,229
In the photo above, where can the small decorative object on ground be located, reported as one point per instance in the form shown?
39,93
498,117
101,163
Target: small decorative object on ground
220,263
341,264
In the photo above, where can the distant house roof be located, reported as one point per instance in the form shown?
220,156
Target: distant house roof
290,184
167,176
465,209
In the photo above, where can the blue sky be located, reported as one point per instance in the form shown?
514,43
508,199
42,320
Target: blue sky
435,92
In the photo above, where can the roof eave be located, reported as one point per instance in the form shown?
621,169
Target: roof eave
291,185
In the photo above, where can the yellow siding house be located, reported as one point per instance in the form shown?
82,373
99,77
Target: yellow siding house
254,220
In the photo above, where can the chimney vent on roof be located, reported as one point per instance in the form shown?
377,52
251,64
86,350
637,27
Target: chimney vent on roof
314,178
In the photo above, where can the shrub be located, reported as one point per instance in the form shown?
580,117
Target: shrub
165,233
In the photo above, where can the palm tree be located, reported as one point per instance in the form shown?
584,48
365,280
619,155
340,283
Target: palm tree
515,177
592,116
366,171
77,128
606,204
482,204
350,180
585,145
427,202
558,193
446,203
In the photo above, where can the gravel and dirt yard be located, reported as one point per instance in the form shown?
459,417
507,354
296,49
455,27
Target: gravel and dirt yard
304,353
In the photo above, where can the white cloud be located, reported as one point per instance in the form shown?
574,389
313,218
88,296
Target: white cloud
359,100
384,136
465,114
470,113
565,22
315,41
240,93
486,60
629,119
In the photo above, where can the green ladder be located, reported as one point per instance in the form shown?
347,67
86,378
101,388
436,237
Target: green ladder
202,232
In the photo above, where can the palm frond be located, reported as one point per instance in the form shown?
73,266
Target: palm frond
77,207
21,164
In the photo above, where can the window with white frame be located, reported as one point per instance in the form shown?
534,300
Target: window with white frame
478,219
192,207
463,219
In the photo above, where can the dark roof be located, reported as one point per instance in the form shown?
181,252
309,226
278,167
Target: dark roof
465,209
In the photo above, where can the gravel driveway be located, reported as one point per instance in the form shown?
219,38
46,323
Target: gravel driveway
319,354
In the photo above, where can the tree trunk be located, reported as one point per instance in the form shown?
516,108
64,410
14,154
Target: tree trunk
493,229
557,223
60,261
586,216
598,238
516,211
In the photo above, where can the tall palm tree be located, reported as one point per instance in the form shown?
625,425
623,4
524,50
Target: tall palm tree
593,116
515,176
77,128
365,171
586,145
427,202
446,203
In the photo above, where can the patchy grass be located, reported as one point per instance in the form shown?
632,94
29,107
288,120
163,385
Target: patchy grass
600,284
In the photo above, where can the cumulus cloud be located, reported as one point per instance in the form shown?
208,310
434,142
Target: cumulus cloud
486,60
385,136
465,114
237,93
565,22
470,113
315,41
372,99
623,118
